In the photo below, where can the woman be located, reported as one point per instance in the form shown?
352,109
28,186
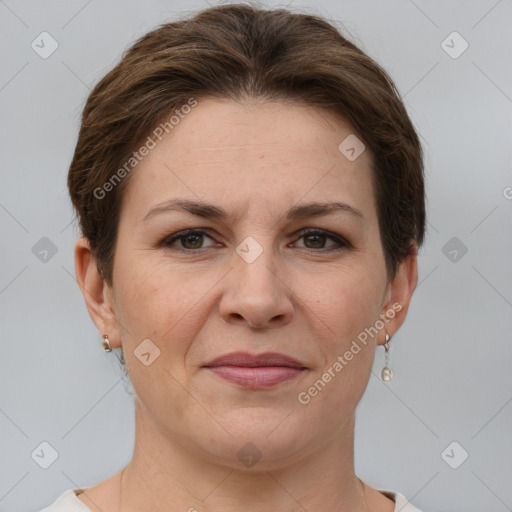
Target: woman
250,193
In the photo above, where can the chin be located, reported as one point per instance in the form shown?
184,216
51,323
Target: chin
261,439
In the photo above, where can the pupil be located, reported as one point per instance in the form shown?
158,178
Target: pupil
315,239
196,237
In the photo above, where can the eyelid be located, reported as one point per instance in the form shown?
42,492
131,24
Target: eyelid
168,240
342,242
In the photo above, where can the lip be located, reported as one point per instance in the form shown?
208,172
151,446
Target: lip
247,360
258,371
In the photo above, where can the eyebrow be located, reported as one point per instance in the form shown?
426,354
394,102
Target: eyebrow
210,211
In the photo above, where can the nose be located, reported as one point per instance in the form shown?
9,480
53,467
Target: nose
257,294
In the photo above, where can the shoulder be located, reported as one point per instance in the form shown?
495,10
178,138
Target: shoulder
402,504
66,502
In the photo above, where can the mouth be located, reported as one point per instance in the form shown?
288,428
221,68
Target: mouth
256,371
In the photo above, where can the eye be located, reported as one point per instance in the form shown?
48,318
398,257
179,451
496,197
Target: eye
190,240
316,239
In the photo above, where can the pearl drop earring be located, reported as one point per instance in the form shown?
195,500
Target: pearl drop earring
387,373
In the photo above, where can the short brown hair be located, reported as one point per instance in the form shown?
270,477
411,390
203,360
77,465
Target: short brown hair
239,52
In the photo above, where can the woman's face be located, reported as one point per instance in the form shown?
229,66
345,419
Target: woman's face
251,279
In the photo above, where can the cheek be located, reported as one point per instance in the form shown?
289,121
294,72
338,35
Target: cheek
151,303
345,301
158,302
343,305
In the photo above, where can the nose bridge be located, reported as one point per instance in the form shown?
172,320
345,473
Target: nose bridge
256,293
256,265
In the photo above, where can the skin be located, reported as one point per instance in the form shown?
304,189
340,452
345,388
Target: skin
255,160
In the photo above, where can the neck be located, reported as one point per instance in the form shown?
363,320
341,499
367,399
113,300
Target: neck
167,475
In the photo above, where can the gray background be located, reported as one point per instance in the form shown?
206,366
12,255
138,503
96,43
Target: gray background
452,357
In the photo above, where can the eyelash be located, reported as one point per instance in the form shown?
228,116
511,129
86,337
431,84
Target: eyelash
342,243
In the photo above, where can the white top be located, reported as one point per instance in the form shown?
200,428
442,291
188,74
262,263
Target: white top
68,502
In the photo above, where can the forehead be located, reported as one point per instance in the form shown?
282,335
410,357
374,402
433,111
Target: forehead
223,150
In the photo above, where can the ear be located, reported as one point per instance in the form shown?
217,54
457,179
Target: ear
97,293
398,295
